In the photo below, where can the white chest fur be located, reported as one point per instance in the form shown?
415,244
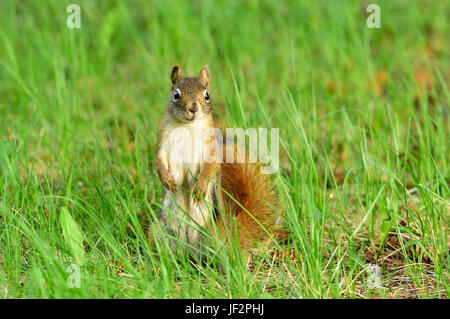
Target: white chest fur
181,149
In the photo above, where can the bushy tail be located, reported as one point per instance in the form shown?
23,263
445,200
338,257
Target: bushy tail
245,187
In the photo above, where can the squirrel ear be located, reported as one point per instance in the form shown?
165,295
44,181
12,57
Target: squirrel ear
204,76
176,75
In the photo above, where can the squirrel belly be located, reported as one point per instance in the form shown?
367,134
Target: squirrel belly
182,216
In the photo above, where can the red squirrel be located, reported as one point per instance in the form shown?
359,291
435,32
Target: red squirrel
205,193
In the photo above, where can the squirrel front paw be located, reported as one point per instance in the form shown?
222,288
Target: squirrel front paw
167,180
200,189
165,176
169,183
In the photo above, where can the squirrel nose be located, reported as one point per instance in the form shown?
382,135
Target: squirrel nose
194,107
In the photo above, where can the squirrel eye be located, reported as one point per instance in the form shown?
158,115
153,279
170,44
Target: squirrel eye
206,96
176,95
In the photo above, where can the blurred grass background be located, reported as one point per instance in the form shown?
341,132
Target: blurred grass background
363,118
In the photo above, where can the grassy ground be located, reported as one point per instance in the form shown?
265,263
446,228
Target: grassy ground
363,118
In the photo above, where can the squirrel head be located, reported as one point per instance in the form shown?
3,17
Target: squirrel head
189,98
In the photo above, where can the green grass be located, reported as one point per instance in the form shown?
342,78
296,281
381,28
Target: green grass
363,118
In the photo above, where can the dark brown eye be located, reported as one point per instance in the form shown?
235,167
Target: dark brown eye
206,96
176,95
